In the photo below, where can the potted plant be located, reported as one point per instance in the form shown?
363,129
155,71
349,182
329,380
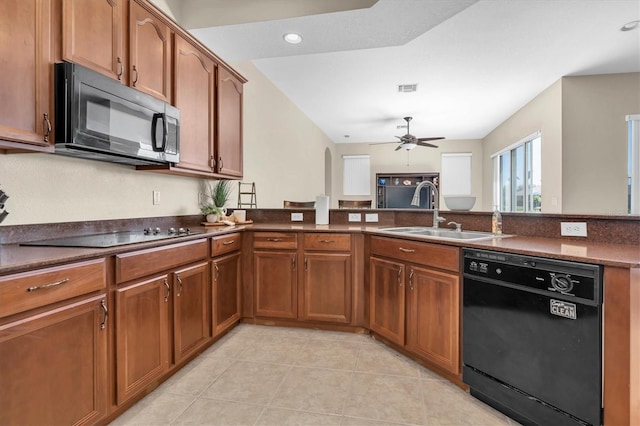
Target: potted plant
216,196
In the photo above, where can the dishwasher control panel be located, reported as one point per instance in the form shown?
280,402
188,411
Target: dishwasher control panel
569,279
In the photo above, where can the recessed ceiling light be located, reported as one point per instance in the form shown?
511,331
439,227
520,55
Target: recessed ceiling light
630,25
293,38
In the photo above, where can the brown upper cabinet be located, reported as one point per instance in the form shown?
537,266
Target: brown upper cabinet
229,142
26,83
150,52
194,87
93,35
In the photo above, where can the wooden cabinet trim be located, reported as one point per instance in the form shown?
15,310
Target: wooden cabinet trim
142,263
277,240
226,244
434,255
28,290
327,241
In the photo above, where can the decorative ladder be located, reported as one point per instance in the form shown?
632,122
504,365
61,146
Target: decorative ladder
244,193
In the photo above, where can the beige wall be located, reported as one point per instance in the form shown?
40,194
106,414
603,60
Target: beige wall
543,113
595,141
51,188
283,150
419,160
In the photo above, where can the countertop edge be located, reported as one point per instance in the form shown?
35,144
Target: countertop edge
616,255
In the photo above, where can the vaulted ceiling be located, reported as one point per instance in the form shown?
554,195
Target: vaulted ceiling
475,62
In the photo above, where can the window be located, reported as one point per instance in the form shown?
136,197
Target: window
456,174
517,176
633,181
357,175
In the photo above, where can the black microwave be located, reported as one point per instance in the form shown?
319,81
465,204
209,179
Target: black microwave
101,119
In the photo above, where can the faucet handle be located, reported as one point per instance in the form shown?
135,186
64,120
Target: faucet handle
457,225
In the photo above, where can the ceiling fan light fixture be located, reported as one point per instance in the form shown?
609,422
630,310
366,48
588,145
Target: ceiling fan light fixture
409,145
292,38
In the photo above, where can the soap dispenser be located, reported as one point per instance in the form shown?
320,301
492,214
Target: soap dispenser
496,221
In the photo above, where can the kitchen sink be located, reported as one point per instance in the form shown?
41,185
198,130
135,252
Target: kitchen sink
439,233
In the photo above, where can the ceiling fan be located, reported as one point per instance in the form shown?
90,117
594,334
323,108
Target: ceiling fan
409,141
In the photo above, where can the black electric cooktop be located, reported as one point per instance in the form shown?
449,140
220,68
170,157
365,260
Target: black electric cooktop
113,239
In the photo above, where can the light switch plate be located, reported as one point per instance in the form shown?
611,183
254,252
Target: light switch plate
573,229
297,217
371,217
355,217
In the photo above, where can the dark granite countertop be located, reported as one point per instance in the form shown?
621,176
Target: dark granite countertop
16,258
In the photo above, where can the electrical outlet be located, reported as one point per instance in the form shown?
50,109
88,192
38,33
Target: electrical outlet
202,198
371,217
355,217
573,229
297,217
156,198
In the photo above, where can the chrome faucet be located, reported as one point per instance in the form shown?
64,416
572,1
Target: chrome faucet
457,225
436,202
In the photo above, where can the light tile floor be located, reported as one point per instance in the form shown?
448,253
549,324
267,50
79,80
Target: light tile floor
258,375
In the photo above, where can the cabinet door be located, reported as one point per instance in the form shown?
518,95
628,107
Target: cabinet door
194,94
92,35
150,48
433,317
387,299
26,83
54,366
229,141
226,277
327,287
142,335
276,288
190,309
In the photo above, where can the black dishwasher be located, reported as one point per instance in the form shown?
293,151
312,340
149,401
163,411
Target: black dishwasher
532,333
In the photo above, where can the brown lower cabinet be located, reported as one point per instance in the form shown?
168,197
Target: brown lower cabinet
54,366
162,316
142,338
415,298
317,288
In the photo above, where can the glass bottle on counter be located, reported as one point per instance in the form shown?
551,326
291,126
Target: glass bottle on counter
496,221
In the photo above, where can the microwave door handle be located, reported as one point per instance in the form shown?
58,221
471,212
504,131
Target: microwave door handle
165,132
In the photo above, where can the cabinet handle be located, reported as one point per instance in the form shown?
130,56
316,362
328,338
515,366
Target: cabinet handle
275,240
227,243
402,249
135,80
166,296
305,263
399,277
119,68
103,305
411,279
53,284
327,241
47,127
221,163
293,262
180,287
215,265
212,162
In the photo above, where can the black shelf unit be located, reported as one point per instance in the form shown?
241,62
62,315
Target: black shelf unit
395,190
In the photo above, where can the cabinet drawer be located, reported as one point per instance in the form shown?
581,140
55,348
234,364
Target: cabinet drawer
438,256
226,244
280,240
28,290
141,263
331,242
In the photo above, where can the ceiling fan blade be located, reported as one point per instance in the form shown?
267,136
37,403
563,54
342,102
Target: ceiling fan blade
383,143
429,139
426,144
398,148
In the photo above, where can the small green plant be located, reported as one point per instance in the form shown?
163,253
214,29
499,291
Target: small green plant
216,197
